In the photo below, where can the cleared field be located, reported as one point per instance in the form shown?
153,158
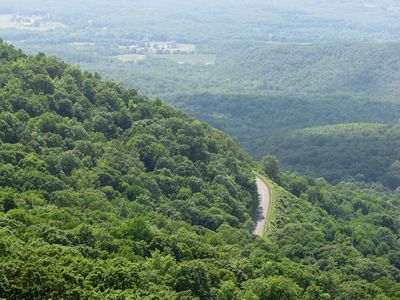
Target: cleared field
82,44
194,59
185,47
6,22
130,57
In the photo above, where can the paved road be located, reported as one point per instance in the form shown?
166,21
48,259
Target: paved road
263,209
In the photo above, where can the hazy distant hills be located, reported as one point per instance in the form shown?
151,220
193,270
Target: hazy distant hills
197,20
370,71
368,152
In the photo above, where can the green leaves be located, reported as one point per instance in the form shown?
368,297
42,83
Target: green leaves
136,229
271,167
8,202
69,161
42,84
274,288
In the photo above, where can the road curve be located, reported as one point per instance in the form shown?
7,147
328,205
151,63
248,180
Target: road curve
263,209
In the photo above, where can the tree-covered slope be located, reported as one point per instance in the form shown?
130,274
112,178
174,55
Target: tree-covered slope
364,69
94,176
259,122
107,195
323,136
340,229
369,70
86,133
367,151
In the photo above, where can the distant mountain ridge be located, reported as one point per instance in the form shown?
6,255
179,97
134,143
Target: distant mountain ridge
369,70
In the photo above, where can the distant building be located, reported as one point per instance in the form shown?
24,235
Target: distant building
27,21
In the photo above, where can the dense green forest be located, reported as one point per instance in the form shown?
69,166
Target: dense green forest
257,70
366,70
260,94
286,88
108,194
105,194
367,152
369,71
274,124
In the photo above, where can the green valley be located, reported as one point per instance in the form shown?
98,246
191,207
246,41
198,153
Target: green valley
106,194
205,150
367,152
290,128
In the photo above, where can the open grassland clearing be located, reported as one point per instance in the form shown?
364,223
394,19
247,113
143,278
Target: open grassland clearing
195,59
130,57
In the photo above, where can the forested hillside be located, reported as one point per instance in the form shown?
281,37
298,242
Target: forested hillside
290,128
371,71
230,62
342,229
368,152
86,164
352,69
105,194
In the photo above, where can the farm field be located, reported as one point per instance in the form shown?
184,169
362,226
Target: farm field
195,59
191,59
186,47
82,44
130,57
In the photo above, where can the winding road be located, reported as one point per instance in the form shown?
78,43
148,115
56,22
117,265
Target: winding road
264,207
